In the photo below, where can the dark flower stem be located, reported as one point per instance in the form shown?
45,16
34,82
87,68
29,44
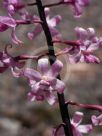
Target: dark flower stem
50,5
52,58
31,4
53,4
57,4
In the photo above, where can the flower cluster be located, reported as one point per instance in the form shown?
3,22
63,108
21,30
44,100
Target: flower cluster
17,6
44,83
84,47
7,61
7,22
77,5
52,23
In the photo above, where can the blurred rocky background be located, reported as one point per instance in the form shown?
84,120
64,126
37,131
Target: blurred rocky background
18,116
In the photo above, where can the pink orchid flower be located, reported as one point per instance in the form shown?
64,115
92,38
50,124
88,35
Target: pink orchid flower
77,5
52,23
87,44
44,83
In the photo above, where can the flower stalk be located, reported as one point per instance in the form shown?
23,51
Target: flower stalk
86,106
52,58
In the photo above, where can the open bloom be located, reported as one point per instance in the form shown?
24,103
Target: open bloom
52,23
44,83
97,120
7,61
77,5
77,129
87,43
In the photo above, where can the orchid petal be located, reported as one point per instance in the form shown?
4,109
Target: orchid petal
15,38
93,47
85,128
40,97
52,81
51,99
74,58
31,82
11,10
35,88
44,83
81,33
76,120
55,68
97,120
47,11
60,86
38,91
31,96
8,21
43,65
32,74
91,59
15,71
55,33
76,132
77,10
3,69
54,21
35,32
58,131
91,33
3,27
